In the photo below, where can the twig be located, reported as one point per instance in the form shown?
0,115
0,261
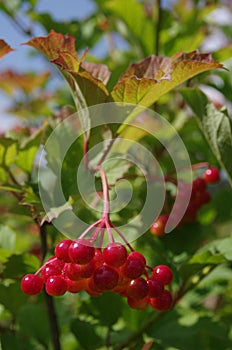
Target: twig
55,334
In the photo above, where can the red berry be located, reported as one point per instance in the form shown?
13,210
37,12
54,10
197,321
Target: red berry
56,285
137,288
105,277
134,266
212,175
164,302
62,250
49,271
158,226
76,271
74,286
199,185
81,252
163,274
155,288
138,304
202,198
114,254
56,263
32,284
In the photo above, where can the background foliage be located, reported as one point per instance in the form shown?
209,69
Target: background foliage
200,253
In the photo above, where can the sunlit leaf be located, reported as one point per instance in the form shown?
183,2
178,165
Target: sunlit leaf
26,155
4,48
53,43
198,261
133,23
145,82
216,126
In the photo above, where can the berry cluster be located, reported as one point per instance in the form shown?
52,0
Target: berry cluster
199,197
78,265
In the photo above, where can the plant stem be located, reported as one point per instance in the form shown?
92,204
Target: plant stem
140,331
158,27
105,188
55,334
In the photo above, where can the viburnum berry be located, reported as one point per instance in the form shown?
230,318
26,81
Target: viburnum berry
158,226
81,252
211,175
62,250
56,285
134,266
114,254
138,304
105,277
32,284
75,286
162,303
155,288
137,288
198,185
56,263
49,271
163,274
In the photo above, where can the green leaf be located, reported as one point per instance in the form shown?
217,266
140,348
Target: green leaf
54,213
18,265
36,326
8,151
12,297
7,238
85,333
132,22
26,155
99,308
216,126
199,261
145,82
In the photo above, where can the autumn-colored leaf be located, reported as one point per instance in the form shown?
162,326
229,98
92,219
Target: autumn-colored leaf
87,80
27,82
145,82
4,48
90,77
97,71
53,43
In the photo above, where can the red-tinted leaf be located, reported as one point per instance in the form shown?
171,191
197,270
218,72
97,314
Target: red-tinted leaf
4,48
97,71
53,43
145,82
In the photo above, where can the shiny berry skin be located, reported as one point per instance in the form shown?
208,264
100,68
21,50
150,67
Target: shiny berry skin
138,304
199,185
56,285
105,277
81,252
137,288
56,263
162,303
74,286
158,226
114,254
163,274
155,288
134,266
212,175
32,284
76,271
49,271
62,250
